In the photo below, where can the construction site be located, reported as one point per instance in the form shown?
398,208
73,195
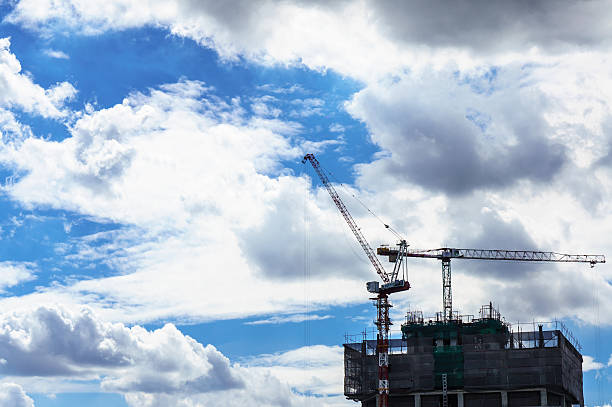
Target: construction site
453,360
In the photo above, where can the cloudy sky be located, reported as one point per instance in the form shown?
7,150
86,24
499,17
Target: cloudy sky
161,242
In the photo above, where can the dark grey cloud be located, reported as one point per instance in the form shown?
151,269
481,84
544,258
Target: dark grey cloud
444,135
287,237
537,298
492,232
57,347
485,26
523,291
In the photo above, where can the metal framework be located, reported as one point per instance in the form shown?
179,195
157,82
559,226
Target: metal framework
486,254
445,254
382,346
392,284
447,294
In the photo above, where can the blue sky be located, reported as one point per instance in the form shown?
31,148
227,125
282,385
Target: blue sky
156,216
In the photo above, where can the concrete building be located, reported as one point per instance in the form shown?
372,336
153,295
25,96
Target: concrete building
468,362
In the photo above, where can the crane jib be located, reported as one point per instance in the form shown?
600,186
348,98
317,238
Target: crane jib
488,254
347,217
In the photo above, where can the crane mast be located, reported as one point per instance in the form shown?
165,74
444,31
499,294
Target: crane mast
445,254
390,280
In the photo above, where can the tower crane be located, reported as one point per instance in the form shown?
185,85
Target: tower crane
445,254
391,283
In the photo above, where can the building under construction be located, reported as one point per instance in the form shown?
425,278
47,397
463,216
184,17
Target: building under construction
468,361
451,360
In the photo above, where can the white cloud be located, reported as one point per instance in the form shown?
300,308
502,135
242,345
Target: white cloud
290,318
13,273
11,129
344,37
511,143
196,184
307,107
52,53
588,364
426,100
610,361
183,142
12,395
337,128
317,369
152,367
17,89
363,39
456,137
57,342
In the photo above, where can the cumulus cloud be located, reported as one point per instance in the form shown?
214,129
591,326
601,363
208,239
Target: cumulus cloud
196,183
17,89
588,364
268,32
463,124
483,26
58,342
13,273
153,367
359,38
490,231
279,379
433,127
101,158
313,220
12,395
317,368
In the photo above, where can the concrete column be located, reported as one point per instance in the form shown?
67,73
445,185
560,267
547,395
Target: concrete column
543,398
459,399
417,400
504,397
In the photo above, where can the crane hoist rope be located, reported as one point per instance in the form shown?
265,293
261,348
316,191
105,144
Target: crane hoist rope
347,217
386,225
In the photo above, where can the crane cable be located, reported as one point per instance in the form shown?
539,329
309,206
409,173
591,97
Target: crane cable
307,260
386,225
345,234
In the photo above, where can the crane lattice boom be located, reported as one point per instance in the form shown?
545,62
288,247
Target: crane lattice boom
347,216
487,254
396,254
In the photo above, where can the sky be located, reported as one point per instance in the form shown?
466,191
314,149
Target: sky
161,242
